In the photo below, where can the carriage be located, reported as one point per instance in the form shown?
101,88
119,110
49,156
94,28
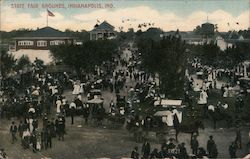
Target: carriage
97,112
245,84
94,93
167,109
175,118
159,121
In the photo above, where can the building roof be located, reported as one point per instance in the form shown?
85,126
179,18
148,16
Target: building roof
234,37
46,32
207,23
103,26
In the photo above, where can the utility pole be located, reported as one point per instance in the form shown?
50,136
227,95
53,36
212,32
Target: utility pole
249,14
1,21
1,77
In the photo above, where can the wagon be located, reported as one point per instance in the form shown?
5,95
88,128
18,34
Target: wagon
245,84
94,93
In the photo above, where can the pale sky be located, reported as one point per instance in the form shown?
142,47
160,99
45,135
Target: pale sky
184,15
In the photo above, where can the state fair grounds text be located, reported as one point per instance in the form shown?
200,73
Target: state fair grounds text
61,5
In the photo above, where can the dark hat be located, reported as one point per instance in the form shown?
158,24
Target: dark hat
171,139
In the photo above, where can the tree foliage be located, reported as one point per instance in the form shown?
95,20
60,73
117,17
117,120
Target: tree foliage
167,58
151,33
210,54
82,35
7,62
86,56
7,36
22,62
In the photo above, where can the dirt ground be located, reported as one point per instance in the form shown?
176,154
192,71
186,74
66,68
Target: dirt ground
102,142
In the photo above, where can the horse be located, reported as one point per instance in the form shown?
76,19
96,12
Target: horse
218,115
187,128
134,126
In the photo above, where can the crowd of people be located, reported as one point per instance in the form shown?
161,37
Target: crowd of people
169,149
43,101
36,95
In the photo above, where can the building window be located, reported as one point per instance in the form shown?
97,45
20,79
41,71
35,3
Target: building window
100,35
25,43
41,43
57,42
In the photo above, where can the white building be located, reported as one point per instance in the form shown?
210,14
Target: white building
102,31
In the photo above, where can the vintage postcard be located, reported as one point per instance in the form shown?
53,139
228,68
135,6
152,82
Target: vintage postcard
139,79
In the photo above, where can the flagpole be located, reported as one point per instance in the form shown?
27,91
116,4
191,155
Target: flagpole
47,17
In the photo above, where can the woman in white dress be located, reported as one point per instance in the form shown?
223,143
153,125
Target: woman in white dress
226,92
203,97
81,88
58,106
76,89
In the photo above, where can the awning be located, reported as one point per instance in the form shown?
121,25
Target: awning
168,102
244,78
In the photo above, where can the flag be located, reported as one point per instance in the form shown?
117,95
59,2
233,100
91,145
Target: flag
50,13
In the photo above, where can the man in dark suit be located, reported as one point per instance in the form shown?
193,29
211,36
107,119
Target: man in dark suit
60,129
232,150
135,154
211,148
145,149
13,131
194,145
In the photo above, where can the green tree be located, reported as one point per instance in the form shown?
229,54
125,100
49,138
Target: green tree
7,62
23,62
86,56
198,30
166,57
210,53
